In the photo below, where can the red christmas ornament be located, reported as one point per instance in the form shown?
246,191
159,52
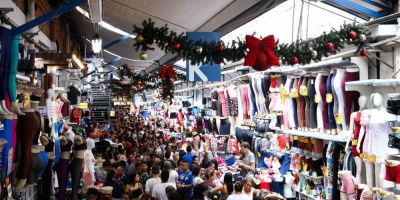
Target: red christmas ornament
330,46
176,45
364,53
352,35
221,47
295,60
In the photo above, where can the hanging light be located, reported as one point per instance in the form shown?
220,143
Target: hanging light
96,43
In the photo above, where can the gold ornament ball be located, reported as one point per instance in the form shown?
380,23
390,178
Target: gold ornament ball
362,37
143,56
139,38
314,54
199,49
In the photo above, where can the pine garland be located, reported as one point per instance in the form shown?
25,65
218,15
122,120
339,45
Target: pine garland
139,83
200,52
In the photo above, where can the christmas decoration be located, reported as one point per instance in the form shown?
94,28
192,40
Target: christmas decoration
352,35
138,83
176,46
172,42
139,39
295,60
199,49
261,54
363,37
330,47
167,70
143,56
221,47
314,54
364,53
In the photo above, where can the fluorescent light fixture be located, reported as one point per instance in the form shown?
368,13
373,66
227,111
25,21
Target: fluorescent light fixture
77,61
97,43
96,10
105,24
177,82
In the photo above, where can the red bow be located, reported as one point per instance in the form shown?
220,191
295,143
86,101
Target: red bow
167,70
261,55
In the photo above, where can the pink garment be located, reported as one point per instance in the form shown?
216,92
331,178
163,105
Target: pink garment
222,101
87,179
244,93
348,183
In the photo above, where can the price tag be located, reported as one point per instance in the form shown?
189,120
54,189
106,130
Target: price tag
354,142
338,118
303,91
305,166
294,93
372,158
257,182
317,98
313,141
259,154
329,98
285,93
295,137
363,155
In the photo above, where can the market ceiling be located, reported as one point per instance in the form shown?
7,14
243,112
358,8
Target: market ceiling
180,15
191,15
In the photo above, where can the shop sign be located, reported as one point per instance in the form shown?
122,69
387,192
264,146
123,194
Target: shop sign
206,72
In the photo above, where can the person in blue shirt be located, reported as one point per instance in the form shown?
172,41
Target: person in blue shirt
188,157
185,180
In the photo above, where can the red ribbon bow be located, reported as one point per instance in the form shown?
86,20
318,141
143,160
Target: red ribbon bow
261,54
167,70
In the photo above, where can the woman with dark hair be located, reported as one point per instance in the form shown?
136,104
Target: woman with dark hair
237,192
200,191
133,186
227,187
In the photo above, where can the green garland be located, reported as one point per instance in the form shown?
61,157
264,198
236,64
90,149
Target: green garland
200,52
139,83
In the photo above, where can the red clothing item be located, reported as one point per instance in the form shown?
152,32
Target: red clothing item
76,115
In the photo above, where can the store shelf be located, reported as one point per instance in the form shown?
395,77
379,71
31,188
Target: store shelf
367,87
342,137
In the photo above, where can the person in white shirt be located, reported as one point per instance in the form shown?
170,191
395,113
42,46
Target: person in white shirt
237,192
173,175
197,173
155,172
158,192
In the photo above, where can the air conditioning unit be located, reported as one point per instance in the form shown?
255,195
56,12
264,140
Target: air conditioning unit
96,10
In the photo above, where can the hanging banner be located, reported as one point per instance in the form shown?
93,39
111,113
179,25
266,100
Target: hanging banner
206,72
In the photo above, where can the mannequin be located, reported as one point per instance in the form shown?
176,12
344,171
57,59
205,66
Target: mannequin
27,127
356,140
288,188
5,32
88,173
62,166
347,192
6,134
12,76
379,130
339,91
37,161
79,149
47,177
